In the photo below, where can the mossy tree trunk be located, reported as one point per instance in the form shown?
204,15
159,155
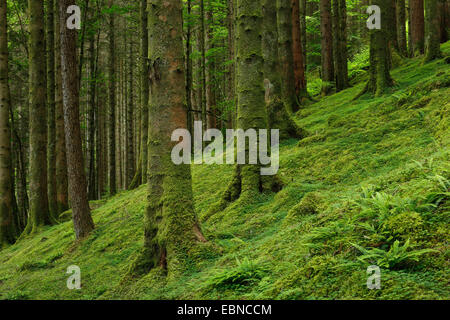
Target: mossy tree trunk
247,181
7,225
171,228
278,113
417,26
39,209
432,22
327,46
81,215
380,77
61,160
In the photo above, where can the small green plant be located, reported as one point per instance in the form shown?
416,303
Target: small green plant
396,257
245,273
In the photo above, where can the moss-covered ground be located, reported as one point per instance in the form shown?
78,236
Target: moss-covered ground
369,186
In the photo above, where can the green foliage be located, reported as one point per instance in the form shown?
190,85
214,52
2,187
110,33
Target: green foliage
245,273
395,257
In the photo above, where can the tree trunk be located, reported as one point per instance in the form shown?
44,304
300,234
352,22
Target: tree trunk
210,69
247,181
401,27
92,192
61,160
111,106
81,214
51,147
7,214
432,30
327,46
277,113
443,9
141,174
303,30
380,78
393,27
417,26
39,210
285,54
340,44
299,66
171,227
130,161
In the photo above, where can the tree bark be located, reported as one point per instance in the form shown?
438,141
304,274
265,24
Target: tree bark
62,197
278,115
130,160
432,30
285,54
210,69
380,78
111,105
39,210
82,220
92,192
141,174
340,44
171,227
401,27
297,48
327,46
7,214
51,147
417,26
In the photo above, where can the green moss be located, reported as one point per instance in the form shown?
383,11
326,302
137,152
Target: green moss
310,204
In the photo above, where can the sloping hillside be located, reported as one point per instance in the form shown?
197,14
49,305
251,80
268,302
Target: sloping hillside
370,185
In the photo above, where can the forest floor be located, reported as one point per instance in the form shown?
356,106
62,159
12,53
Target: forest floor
368,186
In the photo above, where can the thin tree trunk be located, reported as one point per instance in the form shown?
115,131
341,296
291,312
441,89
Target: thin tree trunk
401,27
7,214
299,66
417,26
340,44
112,106
327,46
92,193
39,210
130,161
285,54
82,220
61,160
210,69
203,64
51,148
141,174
